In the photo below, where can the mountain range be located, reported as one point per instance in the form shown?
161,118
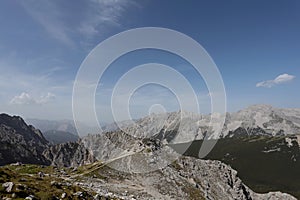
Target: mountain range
145,158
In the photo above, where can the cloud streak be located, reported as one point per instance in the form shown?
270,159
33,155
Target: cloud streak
104,13
94,18
47,15
283,78
26,99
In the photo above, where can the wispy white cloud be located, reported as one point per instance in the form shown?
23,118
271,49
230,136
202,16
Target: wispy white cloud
26,99
23,99
46,98
39,78
47,14
283,78
104,13
95,17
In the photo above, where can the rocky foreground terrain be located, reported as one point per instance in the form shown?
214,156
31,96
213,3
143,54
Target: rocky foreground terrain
124,164
186,178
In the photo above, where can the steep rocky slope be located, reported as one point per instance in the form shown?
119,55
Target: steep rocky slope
20,142
69,154
264,163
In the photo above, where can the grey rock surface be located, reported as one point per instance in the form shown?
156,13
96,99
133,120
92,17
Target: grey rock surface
20,142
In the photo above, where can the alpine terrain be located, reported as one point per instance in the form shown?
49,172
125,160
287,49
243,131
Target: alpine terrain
256,157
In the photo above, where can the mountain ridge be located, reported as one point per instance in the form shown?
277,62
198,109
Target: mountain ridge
144,147
20,142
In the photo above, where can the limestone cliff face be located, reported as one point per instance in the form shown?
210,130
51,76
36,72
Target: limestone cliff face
69,154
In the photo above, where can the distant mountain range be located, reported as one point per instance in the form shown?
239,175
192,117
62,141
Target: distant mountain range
186,126
68,126
51,125
261,142
58,137
60,131
256,119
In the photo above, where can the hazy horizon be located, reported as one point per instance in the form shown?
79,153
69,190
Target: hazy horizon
254,45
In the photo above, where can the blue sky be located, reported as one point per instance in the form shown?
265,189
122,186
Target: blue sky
255,44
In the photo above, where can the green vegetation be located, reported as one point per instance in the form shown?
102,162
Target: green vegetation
263,163
91,170
27,181
176,166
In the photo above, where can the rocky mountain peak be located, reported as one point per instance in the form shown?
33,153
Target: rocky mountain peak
260,107
185,126
15,121
28,143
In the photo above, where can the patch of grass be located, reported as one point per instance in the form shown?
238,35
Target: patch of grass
27,182
176,166
148,150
